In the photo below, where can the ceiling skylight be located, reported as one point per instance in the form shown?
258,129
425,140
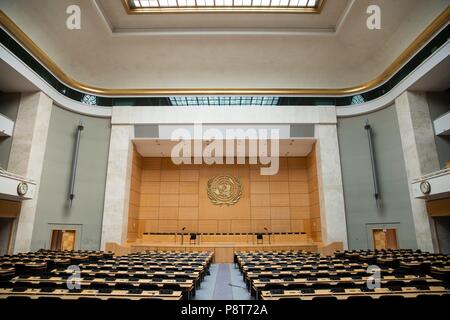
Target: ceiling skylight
223,101
168,6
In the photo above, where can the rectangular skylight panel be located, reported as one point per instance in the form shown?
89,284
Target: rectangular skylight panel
275,3
302,3
172,3
163,3
223,101
266,4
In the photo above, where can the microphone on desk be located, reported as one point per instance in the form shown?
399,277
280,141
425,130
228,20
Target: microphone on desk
182,235
267,230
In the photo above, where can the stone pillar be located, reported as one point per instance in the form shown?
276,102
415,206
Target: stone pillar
27,157
419,152
117,191
331,193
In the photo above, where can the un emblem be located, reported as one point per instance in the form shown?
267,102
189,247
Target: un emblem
224,190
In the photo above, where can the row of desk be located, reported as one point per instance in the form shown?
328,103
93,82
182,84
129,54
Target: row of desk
305,276
149,275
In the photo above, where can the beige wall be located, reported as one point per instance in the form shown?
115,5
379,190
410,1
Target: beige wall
166,197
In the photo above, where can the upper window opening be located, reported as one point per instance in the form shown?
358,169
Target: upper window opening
267,6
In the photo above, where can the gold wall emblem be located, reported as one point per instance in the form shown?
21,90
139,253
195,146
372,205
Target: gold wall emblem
224,190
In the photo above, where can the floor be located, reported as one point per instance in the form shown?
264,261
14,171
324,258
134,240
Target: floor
224,282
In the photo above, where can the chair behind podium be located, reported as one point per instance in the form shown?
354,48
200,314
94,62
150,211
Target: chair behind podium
193,238
259,238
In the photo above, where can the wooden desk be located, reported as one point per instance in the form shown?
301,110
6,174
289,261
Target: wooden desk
223,252
67,295
407,292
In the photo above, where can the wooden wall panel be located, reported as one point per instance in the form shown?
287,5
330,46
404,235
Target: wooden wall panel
188,213
224,226
257,200
257,213
9,209
190,225
170,213
259,225
167,197
314,200
209,226
279,200
438,208
133,230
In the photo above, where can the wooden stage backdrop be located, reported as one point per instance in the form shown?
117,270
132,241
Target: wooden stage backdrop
166,197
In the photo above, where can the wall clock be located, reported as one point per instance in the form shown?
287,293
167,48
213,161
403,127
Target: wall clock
425,187
22,188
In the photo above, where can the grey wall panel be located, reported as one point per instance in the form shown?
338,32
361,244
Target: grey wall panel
302,131
9,106
439,103
361,209
146,131
87,207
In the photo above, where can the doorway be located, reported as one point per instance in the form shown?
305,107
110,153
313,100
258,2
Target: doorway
6,230
384,238
63,240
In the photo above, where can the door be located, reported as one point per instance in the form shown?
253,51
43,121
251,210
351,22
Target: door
6,229
63,239
384,238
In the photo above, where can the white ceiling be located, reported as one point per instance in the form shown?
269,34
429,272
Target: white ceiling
120,21
97,56
162,148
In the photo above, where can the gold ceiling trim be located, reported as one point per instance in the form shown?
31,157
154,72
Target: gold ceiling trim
39,54
317,9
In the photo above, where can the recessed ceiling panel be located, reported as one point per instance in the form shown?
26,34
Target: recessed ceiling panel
123,16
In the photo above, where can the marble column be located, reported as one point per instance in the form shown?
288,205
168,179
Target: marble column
420,156
27,157
117,191
331,193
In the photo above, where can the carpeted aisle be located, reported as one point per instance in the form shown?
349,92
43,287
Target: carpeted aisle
222,289
225,282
